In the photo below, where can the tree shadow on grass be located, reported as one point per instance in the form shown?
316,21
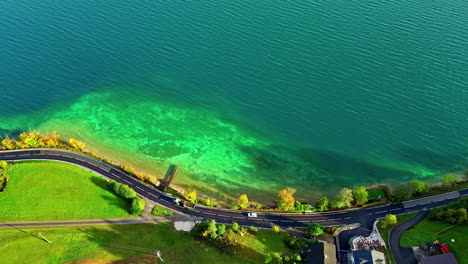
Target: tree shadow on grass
145,239
115,200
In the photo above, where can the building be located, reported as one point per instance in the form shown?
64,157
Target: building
448,258
366,257
322,253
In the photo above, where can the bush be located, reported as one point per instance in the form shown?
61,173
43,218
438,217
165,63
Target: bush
3,164
253,229
137,207
128,169
161,211
315,229
126,192
275,228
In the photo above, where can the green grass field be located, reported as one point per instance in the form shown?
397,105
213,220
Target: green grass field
161,211
119,242
252,247
47,190
426,231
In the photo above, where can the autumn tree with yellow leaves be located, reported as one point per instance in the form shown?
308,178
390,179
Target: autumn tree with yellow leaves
286,201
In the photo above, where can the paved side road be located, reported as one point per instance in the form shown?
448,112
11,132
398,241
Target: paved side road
404,255
88,222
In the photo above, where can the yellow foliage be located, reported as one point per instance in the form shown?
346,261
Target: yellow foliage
243,201
9,143
190,194
30,139
287,200
76,144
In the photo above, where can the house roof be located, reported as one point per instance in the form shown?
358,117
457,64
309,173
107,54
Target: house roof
321,253
448,258
368,257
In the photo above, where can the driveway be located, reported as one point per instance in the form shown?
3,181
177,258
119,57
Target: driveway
404,255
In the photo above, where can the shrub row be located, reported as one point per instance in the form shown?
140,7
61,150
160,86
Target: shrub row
137,206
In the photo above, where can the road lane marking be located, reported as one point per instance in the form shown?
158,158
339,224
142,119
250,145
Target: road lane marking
21,155
8,156
116,175
380,212
394,209
207,213
349,217
304,221
370,214
127,181
151,194
139,188
238,217
224,215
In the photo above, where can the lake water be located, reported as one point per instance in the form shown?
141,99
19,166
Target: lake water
248,97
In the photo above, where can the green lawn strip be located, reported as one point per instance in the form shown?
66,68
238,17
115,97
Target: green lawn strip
161,211
107,242
384,232
48,190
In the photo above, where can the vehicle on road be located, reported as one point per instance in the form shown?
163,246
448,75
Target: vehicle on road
184,204
252,214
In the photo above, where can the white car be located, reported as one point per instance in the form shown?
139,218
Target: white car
252,214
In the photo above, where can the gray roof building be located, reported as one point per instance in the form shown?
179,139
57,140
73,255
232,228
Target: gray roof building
366,257
448,258
322,253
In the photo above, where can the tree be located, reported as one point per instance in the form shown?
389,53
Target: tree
286,201
76,144
235,226
190,194
276,228
268,258
460,216
243,201
336,204
361,195
420,187
9,143
3,164
51,140
449,180
403,192
126,192
30,139
389,220
221,230
211,229
345,196
137,207
322,204
315,229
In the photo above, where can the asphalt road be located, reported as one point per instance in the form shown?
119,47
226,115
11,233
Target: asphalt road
404,255
364,216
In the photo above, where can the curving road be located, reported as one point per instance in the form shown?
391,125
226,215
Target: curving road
404,255
364,216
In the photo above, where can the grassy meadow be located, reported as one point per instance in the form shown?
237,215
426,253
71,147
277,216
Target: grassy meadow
48,190
96,244
427,231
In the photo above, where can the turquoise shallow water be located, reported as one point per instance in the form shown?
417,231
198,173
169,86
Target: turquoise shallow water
247,97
